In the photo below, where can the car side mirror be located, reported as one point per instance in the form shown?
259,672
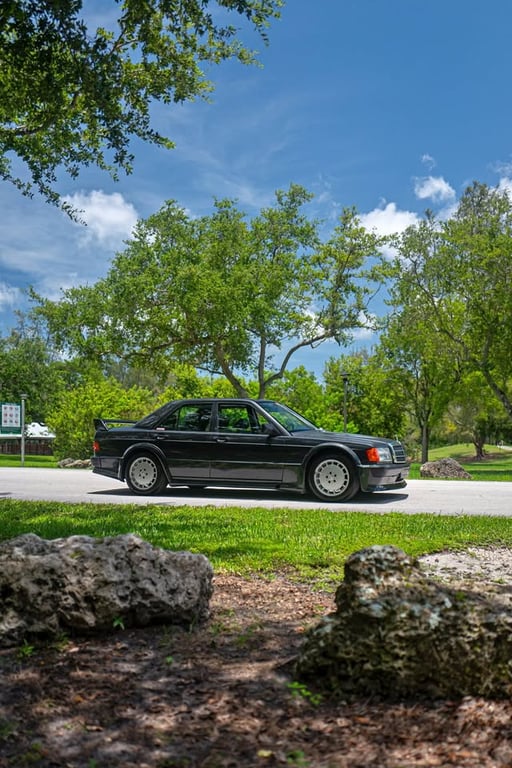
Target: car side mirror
270,430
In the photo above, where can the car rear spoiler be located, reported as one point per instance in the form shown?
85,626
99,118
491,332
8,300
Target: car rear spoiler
104,423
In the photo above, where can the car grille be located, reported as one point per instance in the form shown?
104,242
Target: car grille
398,452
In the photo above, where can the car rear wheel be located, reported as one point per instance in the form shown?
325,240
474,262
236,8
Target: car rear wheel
145,476
333,478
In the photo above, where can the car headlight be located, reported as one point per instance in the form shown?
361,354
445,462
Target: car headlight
382,453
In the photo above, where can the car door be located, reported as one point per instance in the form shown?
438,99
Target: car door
186,441
241,450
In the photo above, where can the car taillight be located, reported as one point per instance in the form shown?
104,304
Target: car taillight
372,454
96,446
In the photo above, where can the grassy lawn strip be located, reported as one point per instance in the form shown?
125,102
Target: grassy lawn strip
41,462
309,545
496,466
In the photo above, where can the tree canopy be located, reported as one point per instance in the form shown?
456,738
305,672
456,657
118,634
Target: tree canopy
426,367
73,95
27,365
454,282
366,386
72,414
227,295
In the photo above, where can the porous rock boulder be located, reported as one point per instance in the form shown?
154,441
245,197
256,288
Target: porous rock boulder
75,464
397,633
81,583
445,469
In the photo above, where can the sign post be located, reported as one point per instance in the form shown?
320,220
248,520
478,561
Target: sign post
23,398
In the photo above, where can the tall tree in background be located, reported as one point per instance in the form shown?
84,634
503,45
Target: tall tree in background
426,365
475,415
224,294
73,95
367,387
28,366
300,390
424,373
460,273
475,274
72,413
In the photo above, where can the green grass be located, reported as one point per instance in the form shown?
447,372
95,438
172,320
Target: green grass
13,460
306,544
496,465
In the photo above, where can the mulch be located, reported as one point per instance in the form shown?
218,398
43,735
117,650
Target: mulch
223,695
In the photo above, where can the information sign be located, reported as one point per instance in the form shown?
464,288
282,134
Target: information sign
10,419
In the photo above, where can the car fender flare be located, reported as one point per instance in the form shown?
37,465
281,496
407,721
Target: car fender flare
144,448
340,448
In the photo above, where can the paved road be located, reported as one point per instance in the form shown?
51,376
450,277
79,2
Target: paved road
446,497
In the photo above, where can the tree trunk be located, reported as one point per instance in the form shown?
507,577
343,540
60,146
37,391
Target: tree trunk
479,448
425,439
239,388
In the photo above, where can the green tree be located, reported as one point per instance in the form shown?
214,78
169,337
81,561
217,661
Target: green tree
224,294
464,284
185,381
300,390
424,373
27,366
419,339
72,95
475,413
72,415
367,387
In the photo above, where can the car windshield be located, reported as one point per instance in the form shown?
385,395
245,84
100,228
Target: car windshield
288,419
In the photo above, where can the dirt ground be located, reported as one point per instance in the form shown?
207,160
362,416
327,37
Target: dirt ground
222,695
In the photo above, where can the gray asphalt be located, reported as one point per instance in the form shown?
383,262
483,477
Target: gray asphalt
436,497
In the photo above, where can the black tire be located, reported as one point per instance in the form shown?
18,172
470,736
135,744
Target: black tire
333,478
144,475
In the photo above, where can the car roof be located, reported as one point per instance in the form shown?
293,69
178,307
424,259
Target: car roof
148,420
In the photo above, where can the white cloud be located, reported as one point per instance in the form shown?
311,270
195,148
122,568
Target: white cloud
434,188
428,160
362,334
505,185
247,195
388,220
110,219
9,296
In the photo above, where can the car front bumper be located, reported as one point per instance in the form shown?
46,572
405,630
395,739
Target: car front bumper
383,478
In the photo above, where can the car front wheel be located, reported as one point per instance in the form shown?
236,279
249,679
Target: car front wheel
145,476
333,478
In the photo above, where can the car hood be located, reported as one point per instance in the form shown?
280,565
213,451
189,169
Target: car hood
347,438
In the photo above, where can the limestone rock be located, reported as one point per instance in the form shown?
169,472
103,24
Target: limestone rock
397,633
75,463
81,583
444,469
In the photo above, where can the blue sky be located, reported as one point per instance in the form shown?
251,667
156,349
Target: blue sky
392,107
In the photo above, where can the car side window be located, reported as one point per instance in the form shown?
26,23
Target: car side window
238,419
189,418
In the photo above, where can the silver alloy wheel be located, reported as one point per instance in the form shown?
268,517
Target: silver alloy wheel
331,477
143,473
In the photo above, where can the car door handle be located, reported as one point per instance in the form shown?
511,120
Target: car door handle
221,439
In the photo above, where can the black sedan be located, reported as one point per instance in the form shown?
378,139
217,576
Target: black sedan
244,443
